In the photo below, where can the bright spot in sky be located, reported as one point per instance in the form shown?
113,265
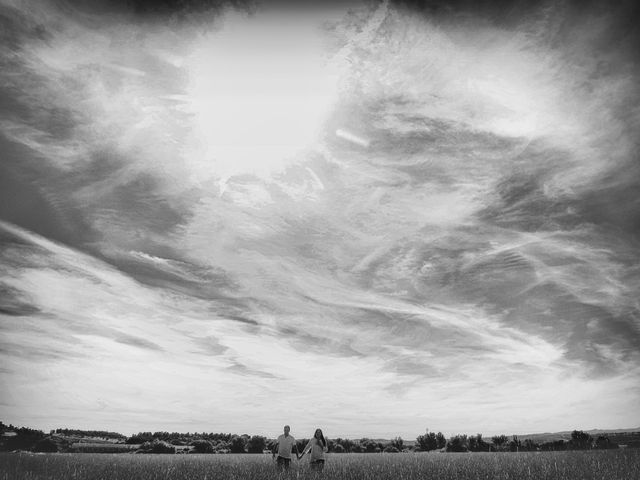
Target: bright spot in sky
257,98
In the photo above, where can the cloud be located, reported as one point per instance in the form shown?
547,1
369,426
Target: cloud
195,236
137,342
14,303
243,370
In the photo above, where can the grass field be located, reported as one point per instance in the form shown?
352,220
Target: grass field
609,465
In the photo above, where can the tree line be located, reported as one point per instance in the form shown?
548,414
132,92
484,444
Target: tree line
159,442
70,432
22,438
580,440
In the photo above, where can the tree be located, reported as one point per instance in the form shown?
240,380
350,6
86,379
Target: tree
390,449
346,444
357,448
457,443
237,444
369,446
301,443
202,446
157,446
271,444
580,440
88,433
427,442
25,439
499,441
442,441
398,443
256,444
554,445
477,444
515,445
222,447
139,438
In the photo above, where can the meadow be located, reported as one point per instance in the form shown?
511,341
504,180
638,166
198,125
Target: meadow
609,465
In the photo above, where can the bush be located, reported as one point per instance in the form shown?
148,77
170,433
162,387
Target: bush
398,443
368,445
202,446
157,446
457,444
222,447
45,445
142,437
580,440
603,442
23,441
556,445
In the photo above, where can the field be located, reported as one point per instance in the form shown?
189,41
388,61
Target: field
609,465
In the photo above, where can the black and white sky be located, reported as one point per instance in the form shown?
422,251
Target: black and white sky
369,217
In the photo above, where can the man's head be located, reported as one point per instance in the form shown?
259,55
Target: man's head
287,429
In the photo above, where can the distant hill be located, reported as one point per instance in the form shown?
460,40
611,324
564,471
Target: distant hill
566,435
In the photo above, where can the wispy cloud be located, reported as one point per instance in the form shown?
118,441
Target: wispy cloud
384,218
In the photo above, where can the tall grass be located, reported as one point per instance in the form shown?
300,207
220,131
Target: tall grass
609,465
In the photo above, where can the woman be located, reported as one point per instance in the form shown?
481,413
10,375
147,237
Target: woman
317,447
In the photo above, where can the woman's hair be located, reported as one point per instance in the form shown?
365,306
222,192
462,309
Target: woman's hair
322,439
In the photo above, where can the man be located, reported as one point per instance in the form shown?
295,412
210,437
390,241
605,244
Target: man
284,444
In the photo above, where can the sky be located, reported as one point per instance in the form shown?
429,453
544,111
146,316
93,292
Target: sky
374,218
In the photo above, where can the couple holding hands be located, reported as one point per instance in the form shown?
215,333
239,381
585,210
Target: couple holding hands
285,444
